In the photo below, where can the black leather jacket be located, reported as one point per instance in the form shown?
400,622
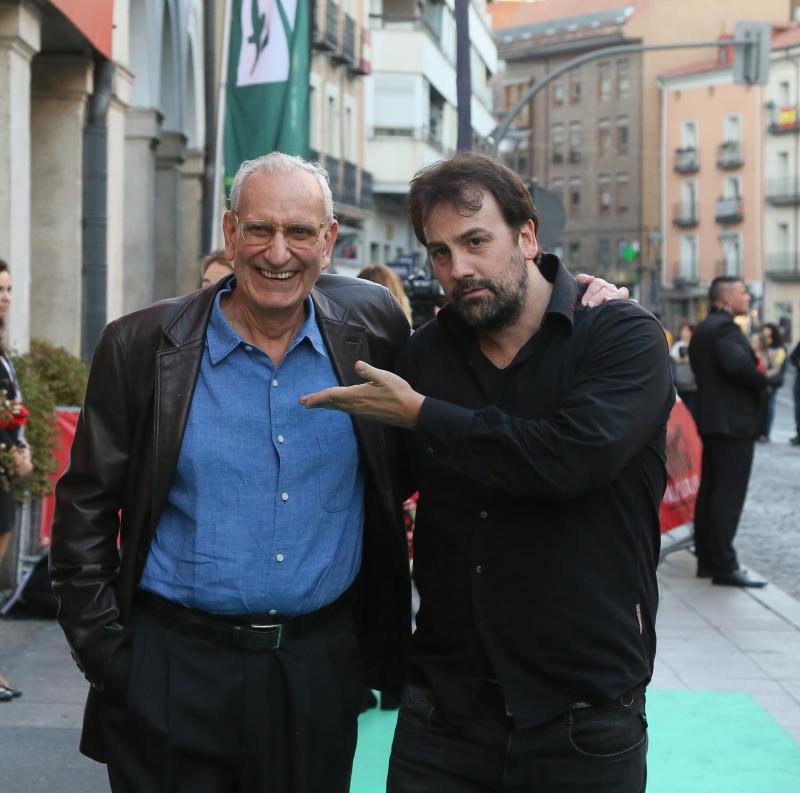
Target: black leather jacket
126,449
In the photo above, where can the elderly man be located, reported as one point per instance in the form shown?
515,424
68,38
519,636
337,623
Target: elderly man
263,575
538,447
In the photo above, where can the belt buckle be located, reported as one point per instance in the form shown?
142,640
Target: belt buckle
278,625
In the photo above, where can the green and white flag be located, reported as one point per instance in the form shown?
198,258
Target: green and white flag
266,106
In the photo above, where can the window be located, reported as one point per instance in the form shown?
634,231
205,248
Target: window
731,254
557,142
314,133
574,195
733,129
732,188
557,186
333,123
784,93
689,257
574,252
604,81
689,196
574,88
604,192
604,254
558,94
604,137
623,78
623,195
575,141
623,135
689,135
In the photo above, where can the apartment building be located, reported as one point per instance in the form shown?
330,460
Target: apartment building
411,106
712,200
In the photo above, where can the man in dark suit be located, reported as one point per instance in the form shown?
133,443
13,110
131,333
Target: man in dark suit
262,578
730,394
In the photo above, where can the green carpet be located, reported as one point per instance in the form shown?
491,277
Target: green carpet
700,742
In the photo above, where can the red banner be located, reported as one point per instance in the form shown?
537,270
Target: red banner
684,458
92,18
66,420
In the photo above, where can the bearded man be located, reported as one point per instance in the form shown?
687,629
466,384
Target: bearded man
536,436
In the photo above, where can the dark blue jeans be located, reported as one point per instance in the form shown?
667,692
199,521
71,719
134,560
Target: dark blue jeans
587,750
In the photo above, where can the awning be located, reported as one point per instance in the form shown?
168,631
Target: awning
93,19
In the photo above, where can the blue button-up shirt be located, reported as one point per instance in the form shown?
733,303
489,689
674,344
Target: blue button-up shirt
266,510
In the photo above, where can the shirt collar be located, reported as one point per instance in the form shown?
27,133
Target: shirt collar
565,290
222,339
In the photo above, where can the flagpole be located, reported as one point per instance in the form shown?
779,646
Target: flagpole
219,167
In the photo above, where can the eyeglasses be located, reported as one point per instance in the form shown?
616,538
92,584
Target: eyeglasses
262,232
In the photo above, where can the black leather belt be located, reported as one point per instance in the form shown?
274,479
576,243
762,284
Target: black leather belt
244,632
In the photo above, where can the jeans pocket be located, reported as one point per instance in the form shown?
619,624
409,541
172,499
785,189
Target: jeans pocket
419,707
609,735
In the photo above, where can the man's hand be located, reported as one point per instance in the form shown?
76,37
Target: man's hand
599,291
22,460
384,397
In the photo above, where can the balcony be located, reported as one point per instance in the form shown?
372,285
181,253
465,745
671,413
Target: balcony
332,167
783,192
686,161
728,211
367,196
348,194
685,215
729,155
347,53
783,266
396,152
687,277
574,155
325,34
362,65
558,156
784,120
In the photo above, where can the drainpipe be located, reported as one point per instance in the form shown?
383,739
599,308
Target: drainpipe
209,211
95,210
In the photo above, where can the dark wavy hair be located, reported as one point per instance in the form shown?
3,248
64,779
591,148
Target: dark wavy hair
461,182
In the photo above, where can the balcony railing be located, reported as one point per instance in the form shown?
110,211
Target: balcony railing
783,192
326,27
729,155
686,161
684,214
367,195
728,210
347,52
687,275
784,120
348,194
362,64
332,167
783,266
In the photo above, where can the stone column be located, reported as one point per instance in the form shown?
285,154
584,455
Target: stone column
61,85
170,156
117,205
19,41
191,220
142,131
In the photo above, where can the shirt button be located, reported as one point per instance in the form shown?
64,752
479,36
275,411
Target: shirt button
429,450
274,382
248,348
281,439
285,496
273,612
478,568
484,513
280,557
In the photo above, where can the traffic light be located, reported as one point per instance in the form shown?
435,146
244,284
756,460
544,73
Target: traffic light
751,61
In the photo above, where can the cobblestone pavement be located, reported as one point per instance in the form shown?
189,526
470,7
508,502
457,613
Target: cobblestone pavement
768,539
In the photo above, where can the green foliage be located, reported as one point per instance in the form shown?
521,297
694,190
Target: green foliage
49,376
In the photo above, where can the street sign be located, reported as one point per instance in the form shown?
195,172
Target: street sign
751,60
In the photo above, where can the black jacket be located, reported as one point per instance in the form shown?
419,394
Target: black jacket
730,389
126,448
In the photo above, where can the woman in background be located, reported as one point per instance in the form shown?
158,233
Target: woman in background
387,277
775,361
13,439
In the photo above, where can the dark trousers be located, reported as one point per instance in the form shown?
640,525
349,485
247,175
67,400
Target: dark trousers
797,403
723,487
592,750
203,718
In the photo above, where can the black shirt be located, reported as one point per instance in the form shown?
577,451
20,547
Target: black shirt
537,532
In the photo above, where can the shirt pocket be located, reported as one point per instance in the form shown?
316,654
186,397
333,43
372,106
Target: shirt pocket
338,469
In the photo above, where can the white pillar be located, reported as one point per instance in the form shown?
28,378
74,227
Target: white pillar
142,131
60,88
117,204
191,218
19,41
170,156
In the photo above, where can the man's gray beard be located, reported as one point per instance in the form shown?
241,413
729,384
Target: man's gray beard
499,309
